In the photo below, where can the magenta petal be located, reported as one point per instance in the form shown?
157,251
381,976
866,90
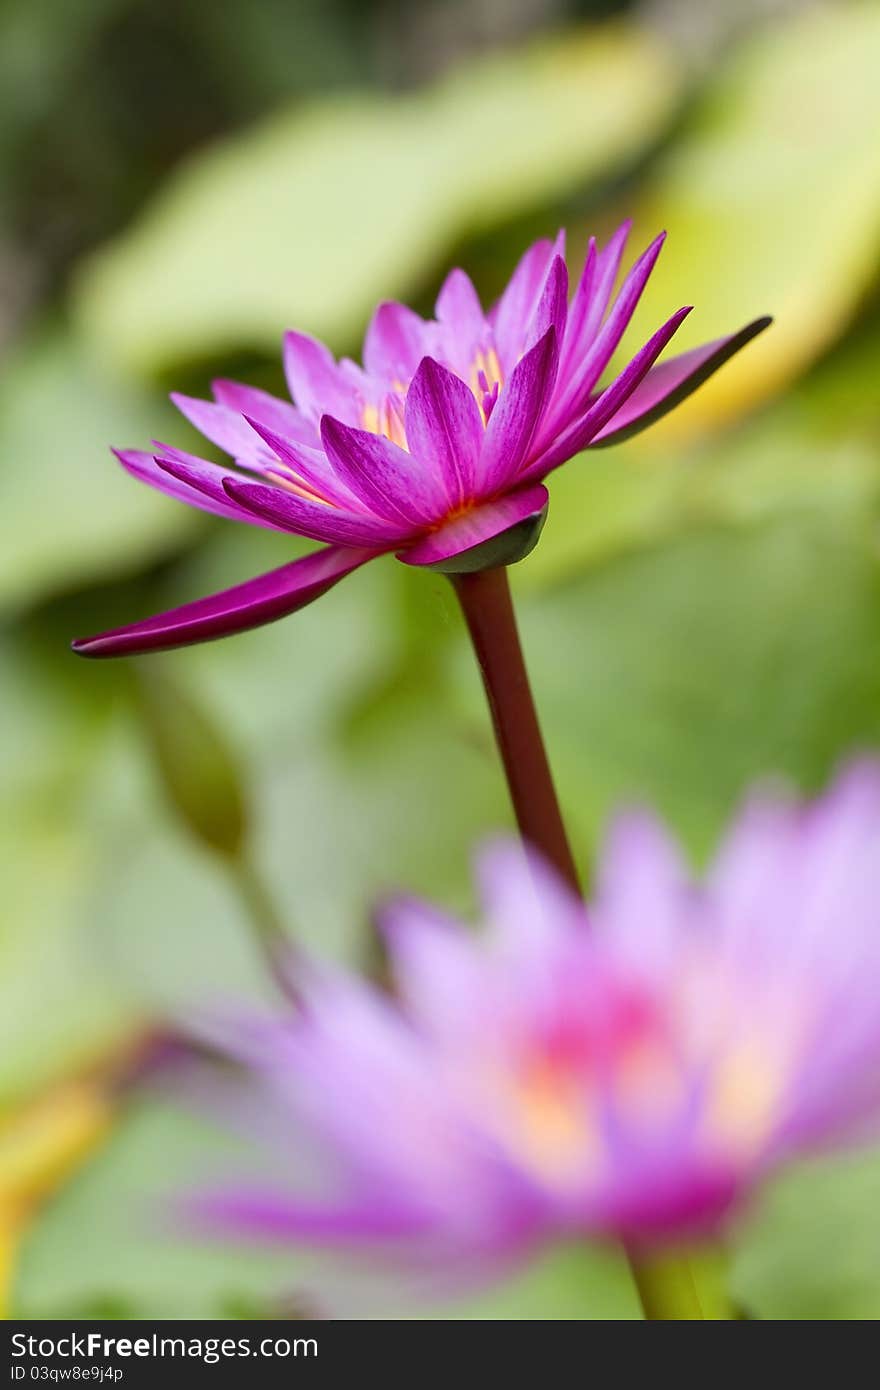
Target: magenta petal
476,526
671,382
513,422
444,429
281,416
316,381
433,963
193,480
552,309
516,307
597,284
459,308
579,434
226,428
582,303
247,605
307,464
387,479
267,1217
591,299
396,341
574,392
319,521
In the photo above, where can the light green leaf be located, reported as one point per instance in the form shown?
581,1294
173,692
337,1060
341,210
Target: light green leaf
70,513
814,449
60,1002
771,197
311,218
812,1249
695,667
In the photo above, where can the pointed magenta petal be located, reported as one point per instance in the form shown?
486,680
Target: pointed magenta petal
477,526
516,307
191,480
459,308
603,280
388,480
573,392
278,415
396,341
247,605
444,429
316,381
308,464
633,373
579,434
670,383
552,309
515,418
318,521
226,428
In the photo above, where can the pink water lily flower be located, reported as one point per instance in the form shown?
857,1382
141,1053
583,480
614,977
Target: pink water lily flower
631,1069
435,449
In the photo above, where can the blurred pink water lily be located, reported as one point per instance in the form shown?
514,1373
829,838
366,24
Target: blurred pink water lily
629,1069
435,449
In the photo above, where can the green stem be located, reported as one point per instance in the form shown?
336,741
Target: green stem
666,1287
274,943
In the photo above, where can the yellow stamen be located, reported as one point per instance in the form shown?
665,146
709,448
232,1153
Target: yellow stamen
555,1129
297,488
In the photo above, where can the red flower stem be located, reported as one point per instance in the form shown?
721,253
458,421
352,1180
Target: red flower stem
488,611
666,1288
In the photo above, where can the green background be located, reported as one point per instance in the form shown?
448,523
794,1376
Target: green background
178,184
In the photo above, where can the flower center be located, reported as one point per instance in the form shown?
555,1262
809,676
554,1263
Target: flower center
553,1126
386,417
486,380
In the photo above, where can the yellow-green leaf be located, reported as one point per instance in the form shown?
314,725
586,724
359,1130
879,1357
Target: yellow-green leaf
771,198
315,215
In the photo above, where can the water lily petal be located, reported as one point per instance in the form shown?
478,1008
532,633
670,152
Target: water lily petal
281,416
227,428
475,527
671,382
444,428
396,341
574,392
514,311
515,418
459,308
317,520
316,381
251,604
581,432
311,465
193,481
389,481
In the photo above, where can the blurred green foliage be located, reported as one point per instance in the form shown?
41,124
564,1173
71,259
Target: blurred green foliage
714,585
402,178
